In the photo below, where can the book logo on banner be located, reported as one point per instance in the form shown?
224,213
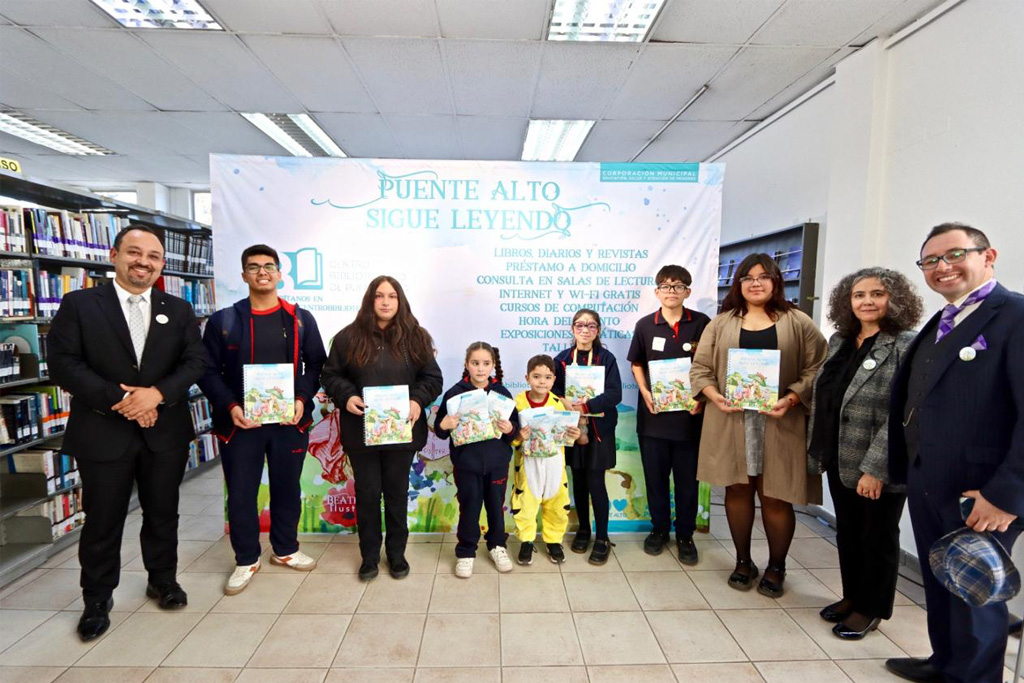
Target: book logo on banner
307,268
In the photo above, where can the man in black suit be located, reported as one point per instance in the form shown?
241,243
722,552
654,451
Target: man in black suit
956,429
128,354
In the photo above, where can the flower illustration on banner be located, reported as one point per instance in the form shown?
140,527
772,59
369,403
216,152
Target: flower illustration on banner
339,505
325,446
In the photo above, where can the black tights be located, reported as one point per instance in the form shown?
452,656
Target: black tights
588,485
777,516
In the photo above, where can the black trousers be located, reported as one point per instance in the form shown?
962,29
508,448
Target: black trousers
589,486
380,472
968,643
284,449
661,459
868,536
475,490
106,490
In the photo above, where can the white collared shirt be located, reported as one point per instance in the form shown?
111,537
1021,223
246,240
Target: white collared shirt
962,315
144,305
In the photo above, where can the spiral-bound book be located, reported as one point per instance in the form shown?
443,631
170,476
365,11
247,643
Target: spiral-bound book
269,391
670,385
752,378
386,415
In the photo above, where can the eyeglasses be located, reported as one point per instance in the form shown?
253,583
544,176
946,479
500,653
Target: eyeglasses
268,268
584,327
678,289
760,279
952,256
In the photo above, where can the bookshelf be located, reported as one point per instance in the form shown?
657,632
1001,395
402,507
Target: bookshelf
58,244
795,249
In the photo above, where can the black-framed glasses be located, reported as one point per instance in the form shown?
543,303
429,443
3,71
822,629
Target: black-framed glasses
952,256
268,268
583,327
760,279
678,289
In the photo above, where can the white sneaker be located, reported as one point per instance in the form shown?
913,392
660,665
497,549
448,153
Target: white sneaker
240,578
464,567
299,561
501,559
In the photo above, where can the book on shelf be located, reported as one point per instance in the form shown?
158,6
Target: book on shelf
204,447
386,415
46,406
17,290
25,340
64,512
752,378
10,362
68,234
202,416
59,469
199,293
55,283
20,416
12,229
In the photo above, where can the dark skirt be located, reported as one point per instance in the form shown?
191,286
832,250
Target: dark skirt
595,455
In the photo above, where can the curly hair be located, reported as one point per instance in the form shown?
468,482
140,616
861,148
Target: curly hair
905,305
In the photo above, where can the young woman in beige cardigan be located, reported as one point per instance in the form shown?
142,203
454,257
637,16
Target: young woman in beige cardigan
748,451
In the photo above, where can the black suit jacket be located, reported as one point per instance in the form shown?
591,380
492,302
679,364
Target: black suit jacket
972,417
90,354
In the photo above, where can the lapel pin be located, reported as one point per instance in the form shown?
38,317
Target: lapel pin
870,364
687,346
162,319
968,354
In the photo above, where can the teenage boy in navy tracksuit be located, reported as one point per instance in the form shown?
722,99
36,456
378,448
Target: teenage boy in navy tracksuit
262,329
668,441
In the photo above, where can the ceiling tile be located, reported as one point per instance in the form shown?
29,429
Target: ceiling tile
132,64
617,140
494,19
404,76
225,133
902,16
427,137
269,16
124,133
823,22
333,85
753,78
74,13
718,21
361,135
410,18
17,93
694,140
579,80
493,78
36,61
802,85
238,78
492,138
665,78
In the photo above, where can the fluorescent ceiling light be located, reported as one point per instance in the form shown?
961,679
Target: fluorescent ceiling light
186,14
553,140
619,21
297,133
28,128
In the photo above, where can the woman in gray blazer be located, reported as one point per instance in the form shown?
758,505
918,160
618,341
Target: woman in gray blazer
873,311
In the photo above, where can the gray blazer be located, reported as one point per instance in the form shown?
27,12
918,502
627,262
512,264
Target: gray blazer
864,416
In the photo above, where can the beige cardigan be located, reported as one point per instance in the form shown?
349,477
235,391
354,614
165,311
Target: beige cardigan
722,456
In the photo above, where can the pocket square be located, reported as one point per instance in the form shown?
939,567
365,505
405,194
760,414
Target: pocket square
980,344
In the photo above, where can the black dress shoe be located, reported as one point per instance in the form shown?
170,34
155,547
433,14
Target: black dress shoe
849,633
399,568
769,588
743,580
602,549
368,571
687,551
834,613
580,541
655,542
95,619
914,669
168,595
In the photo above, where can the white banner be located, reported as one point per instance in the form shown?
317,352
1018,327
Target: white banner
503,252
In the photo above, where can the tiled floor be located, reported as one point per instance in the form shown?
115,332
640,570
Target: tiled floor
639,618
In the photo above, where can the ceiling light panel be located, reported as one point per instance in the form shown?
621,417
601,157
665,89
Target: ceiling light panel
28,128
555,140
171,14
297,133
617,21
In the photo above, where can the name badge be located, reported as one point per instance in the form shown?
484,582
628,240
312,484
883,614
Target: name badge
658,344
870,364
687,346
162,319
968,354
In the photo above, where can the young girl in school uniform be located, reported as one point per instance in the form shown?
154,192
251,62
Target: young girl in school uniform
594,452
480,468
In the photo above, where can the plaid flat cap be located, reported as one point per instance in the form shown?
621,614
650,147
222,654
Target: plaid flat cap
974,566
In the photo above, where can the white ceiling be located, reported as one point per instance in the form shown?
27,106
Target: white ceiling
446,79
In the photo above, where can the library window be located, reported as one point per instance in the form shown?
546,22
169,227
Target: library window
202,207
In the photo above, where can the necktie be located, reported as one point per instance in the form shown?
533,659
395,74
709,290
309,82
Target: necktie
136,326
950,311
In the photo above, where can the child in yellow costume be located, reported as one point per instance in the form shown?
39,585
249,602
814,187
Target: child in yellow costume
540,483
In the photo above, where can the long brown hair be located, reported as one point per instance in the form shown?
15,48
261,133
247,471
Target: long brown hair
403,336
776,305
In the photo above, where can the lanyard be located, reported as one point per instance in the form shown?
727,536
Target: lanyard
575,356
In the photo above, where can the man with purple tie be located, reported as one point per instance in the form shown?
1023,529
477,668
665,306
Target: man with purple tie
956,430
